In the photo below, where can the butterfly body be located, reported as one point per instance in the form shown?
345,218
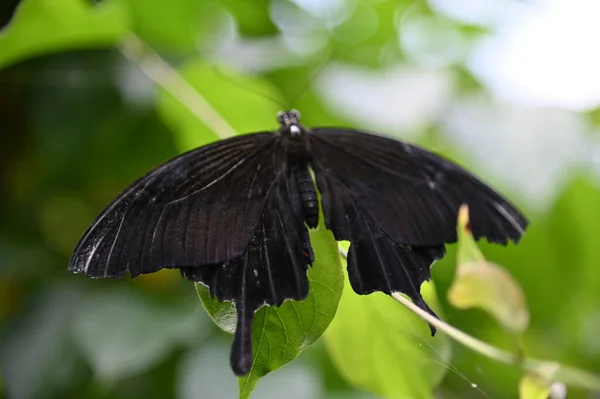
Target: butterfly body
234,215
308,195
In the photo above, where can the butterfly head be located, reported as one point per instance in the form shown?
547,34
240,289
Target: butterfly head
289,122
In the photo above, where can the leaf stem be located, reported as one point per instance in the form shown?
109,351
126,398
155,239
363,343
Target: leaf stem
558,372
164,75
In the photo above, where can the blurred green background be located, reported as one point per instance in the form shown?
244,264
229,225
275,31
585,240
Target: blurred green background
509,89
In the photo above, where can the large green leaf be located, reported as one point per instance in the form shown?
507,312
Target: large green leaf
379,345
280,333
574,227
45,26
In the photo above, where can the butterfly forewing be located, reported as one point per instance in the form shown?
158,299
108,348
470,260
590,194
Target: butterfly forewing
199,208
410,193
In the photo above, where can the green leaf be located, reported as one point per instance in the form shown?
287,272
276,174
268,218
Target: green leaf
538,385
532,387
240,100
490,287
467,250
46,26
169,25
574,224
280,333
482,284
253,18
379,345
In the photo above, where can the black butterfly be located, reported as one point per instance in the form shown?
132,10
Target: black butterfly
234,216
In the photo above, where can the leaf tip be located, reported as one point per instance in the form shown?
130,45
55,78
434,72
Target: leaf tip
464,224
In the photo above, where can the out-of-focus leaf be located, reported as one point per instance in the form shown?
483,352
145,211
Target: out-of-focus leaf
379,345
122,334
252,17
170,25
242,101
201,369
37,356
361,25
280,333
482,284
62,219
46,26
490,287
205,373
574,225
531,387
373,25
537,385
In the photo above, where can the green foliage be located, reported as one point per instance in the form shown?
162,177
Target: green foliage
252,17
113,349
482,284
532,387
45,26
384,348
487,286
225,92
78,126
170,25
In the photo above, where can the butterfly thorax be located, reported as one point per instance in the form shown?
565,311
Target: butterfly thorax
294,138
289,123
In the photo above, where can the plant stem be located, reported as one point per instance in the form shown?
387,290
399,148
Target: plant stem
478,346
551,370
164,75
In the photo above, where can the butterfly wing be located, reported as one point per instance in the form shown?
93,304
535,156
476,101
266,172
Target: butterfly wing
272,268
397,204
199,208
375,261
412,194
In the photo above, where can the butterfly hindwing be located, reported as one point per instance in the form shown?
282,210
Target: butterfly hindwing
375,261
199,208
272,268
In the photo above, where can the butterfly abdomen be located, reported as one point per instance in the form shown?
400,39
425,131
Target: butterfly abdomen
308,196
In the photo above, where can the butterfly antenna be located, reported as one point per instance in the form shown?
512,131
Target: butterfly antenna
274,100
320,69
